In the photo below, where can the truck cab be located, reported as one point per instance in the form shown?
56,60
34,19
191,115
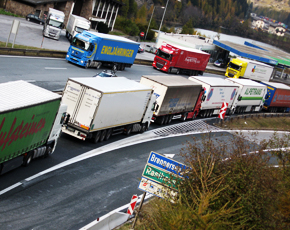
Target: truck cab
53,24
82,50
236,68
164,56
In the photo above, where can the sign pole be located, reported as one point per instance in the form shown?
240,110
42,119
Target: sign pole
139,209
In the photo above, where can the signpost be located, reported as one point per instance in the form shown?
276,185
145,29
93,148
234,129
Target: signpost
223,110
14,30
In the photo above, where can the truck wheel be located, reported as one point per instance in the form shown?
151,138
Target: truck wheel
27,159
166,120
103,135
48,151
128,130
183,117
123,66
194,116
170,70
115,67
109,134
96,137
177,71
143,128
88,64
170,119
161,120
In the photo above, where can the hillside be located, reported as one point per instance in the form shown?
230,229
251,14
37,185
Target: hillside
276,5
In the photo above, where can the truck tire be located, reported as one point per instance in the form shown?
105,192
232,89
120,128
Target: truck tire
177,71
123,66
166,120
1,168
48,151
27,159
103,135
96,137
143,128
170,119
128,130
109,134
87,64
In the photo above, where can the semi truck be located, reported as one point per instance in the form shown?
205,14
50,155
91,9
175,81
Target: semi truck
176,97
245,68
30,123
217,91
250,96
75,25
178,59
101,107
92,49
53,24
277,98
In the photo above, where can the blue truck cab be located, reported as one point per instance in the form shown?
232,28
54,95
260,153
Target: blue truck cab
92,49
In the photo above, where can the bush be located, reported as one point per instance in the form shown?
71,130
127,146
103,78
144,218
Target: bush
127,26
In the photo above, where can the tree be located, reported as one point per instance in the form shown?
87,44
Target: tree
187,28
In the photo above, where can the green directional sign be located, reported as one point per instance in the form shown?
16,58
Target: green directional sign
160,176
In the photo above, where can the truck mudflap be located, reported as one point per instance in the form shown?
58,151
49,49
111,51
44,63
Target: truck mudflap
75,133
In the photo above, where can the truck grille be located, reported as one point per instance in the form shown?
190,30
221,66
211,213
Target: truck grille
159,65
231,75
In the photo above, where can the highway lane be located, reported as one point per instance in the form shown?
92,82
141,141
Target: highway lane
73,196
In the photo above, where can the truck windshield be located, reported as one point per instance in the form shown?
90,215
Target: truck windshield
54,23
79,29
163,55
234,66
84,45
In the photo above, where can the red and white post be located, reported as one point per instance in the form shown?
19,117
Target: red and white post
223,110
132,204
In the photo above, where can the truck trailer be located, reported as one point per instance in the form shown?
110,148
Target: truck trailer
178,59
245,68
217,91
75,25
176,97
92,49
277,98
30,123
101,107
250,96
53,24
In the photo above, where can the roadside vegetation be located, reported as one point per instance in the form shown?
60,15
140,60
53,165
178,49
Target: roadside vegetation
2,11
229,186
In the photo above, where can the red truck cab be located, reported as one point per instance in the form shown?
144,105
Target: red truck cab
173,59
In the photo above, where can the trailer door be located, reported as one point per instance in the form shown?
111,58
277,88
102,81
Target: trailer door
87,107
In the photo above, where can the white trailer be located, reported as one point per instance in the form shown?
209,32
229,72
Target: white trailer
75,25
53,24
217,91
101,107
176,97
250,96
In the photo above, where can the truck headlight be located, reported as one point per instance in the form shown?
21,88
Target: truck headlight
67,56
82,62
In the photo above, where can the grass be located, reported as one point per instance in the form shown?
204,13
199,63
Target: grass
259,123
2,11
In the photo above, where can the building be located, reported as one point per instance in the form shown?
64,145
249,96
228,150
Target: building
94,10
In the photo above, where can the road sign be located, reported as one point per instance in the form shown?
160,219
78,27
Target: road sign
156,189
223,110
142,34
132,204
161,176
167,164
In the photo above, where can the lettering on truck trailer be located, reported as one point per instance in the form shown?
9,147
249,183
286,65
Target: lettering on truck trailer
253,91
20,131
258,70
109,50
192,59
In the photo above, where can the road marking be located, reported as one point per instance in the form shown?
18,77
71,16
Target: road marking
53,68
10,188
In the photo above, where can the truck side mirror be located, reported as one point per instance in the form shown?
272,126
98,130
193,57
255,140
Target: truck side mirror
240,98
203,98
156,107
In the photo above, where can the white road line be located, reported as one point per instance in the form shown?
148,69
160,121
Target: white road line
9,56
10,188
53,68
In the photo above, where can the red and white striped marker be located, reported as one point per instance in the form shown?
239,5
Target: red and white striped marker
223,110
132,204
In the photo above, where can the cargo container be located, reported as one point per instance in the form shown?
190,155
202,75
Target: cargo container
250,96
92,49
217,91
101,107
176,97
245,68
277,98
76,25
53,24
178,59
30,123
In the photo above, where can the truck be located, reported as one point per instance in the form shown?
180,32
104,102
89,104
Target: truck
217,91
30,123
76,24
250,96
178,59
53,24
245,68
277,98
176,97
93,49
101,107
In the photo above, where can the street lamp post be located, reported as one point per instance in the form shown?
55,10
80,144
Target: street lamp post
149,22
163,15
